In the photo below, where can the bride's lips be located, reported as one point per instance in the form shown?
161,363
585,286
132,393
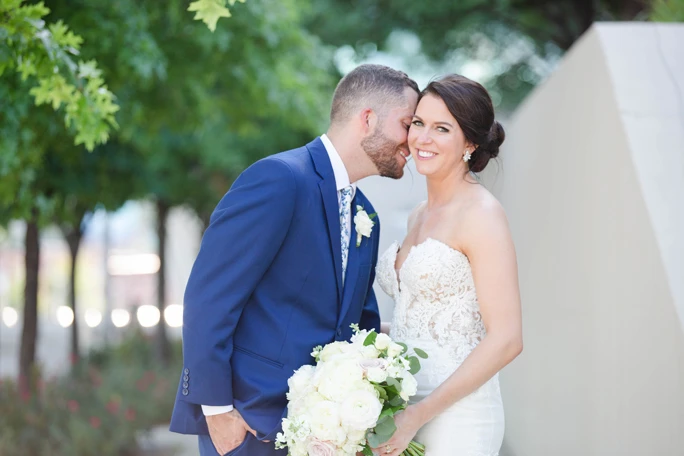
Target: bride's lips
425,154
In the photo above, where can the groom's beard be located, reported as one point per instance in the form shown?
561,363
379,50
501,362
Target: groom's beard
383,152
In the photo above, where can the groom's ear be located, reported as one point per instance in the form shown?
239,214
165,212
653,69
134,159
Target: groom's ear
368,119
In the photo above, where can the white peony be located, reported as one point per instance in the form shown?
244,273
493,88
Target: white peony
383,341
300,382
336,378
360,410
324,420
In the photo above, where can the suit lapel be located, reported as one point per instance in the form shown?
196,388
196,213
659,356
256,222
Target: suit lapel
328,190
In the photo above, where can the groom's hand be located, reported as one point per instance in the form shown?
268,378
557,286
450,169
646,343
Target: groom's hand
228,431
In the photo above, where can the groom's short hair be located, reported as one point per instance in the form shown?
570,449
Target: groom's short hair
369,85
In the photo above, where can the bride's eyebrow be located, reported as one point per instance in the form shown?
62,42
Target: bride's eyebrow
444,123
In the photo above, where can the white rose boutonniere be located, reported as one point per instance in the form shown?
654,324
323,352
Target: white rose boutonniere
364,224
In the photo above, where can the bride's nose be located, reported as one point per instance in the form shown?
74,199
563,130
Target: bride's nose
424,137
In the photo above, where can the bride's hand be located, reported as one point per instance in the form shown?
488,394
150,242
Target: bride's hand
408,423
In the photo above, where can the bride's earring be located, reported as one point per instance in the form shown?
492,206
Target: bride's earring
466,156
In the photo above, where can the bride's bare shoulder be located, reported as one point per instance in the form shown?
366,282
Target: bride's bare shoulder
485,221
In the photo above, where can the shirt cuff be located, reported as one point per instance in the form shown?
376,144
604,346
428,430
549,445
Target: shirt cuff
211,410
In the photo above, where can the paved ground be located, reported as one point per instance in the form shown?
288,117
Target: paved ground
161,442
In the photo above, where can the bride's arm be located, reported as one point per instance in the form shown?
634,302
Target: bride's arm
385,327
488,245
490,249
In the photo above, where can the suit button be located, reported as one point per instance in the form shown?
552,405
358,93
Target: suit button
186,378
339,332
186,371
185,384
185,391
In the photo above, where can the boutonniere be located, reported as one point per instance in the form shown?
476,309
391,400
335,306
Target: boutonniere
363,223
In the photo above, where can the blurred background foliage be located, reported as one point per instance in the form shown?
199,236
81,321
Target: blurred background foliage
102,407
107,102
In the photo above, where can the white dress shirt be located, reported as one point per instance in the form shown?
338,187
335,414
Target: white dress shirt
340,172
341,181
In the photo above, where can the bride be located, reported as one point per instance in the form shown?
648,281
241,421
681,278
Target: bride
454,279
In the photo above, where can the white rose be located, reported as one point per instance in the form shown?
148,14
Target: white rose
376,374
382,341
373,362
409,385
320,448
360,410
394,350
369,352
364,224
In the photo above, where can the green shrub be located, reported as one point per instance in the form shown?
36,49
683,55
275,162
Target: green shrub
100,408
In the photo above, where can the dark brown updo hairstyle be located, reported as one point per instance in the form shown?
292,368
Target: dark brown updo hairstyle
472,108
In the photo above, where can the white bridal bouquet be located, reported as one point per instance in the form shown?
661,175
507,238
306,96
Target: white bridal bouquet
346,403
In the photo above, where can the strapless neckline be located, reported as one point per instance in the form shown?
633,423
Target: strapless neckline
396,247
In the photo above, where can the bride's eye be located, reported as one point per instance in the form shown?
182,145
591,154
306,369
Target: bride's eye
417,123
442,130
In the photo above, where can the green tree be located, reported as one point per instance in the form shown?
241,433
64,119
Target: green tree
198,107
668,11
45,53
516,41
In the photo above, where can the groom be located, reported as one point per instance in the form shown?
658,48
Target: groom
279,270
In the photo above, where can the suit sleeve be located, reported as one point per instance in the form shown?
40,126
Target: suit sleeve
245,233
370,317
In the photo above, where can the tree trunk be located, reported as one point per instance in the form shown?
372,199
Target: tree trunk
163,348
73,236
29,331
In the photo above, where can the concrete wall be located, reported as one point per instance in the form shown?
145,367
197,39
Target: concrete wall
591,184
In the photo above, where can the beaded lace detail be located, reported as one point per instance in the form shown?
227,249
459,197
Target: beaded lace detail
435,302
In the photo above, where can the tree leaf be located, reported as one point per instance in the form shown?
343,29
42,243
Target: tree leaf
209,11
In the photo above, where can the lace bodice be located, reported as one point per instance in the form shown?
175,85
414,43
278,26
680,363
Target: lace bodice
436,306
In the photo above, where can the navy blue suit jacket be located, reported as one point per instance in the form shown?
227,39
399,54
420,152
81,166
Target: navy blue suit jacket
266,288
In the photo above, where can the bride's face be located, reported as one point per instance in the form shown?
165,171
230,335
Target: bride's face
435,139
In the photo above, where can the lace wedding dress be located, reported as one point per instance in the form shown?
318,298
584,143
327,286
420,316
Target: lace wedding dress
436,310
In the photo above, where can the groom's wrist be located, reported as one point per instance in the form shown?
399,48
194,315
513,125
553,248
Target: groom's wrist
211,410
